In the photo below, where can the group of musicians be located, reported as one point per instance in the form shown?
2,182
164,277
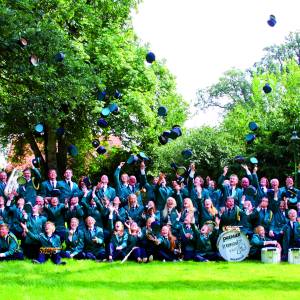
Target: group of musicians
140,220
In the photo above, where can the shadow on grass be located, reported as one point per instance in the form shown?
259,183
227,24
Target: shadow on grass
60,282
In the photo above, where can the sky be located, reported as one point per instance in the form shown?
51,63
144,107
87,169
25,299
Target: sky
201,39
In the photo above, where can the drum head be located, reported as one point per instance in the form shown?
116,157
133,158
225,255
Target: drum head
233,245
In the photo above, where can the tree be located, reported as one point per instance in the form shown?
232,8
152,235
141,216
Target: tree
233,87
57,57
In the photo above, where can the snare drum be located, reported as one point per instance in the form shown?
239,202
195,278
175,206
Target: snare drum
270,255
233,245
294,256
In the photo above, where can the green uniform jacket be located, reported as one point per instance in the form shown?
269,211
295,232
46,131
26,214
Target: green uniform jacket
257,243
204,244
66,192
135,213
9,244
56,215
77,212
52,242
123,191
109,193
227,191
170,219
232,217
161,196
89,245
27,190
205,215
189,243
95,211
35,224
263,218
76,244
280,219
290,236
16,216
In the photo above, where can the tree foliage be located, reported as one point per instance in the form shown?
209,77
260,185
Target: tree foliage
102,53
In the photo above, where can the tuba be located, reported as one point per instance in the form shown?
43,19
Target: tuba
13,182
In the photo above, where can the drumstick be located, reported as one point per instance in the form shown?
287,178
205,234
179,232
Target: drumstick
126,257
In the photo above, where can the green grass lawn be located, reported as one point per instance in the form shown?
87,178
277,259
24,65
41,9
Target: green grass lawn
182,280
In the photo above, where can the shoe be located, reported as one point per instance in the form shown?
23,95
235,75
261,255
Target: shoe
150,259
35,261
139,260
62,263
163,260
145,259
110,260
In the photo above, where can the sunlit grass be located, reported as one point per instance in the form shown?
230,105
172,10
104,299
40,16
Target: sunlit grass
182,280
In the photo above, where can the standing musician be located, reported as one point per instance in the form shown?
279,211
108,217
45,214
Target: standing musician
68,188
290,193
231,215
103,190
230,190
29,189
291,233
196,189
50,187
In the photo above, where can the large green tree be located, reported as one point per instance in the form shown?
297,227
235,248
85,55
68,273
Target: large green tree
100,53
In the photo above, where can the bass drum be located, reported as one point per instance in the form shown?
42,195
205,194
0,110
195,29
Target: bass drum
233,245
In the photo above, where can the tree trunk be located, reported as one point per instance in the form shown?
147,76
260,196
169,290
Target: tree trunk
50,148
37,153
61,154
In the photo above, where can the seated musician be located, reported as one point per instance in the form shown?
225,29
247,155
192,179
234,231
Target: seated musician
167,247
205,242
50,242
134,243
118,240
259,241
93,240
9,247
186,237
74,241
170,215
